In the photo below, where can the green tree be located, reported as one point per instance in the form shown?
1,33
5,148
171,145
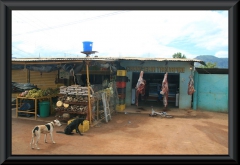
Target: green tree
209,65
178,55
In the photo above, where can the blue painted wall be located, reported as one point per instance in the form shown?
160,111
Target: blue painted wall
211,92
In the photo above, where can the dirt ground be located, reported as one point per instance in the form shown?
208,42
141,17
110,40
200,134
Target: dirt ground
133,132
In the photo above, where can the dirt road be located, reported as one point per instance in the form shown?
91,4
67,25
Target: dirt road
189,132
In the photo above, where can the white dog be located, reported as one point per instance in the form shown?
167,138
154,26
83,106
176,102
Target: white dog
45,129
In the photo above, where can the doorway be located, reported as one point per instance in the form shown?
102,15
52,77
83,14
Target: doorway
151,92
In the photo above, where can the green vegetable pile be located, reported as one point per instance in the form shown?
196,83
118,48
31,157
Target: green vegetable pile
34,93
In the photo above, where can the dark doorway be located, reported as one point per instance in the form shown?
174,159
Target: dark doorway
152,80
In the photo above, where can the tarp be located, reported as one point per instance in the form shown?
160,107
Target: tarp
17,67
67,67
42,68
21,87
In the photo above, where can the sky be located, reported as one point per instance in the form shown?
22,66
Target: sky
119,33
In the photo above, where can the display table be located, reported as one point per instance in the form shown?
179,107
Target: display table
18,104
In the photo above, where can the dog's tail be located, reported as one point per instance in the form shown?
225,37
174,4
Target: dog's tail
60,132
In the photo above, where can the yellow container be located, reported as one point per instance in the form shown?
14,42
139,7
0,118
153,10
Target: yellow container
121,72
82,128
120,107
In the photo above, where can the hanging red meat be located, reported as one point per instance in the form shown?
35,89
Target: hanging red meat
191,89
164,91
140,87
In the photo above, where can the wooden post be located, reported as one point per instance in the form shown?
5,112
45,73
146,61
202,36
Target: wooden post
17,107
89,102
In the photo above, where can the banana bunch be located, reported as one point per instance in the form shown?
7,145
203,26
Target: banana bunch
34,93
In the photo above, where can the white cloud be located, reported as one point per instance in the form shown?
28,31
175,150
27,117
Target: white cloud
125,33
222,54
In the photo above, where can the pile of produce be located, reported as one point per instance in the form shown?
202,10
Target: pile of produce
66,103
35,93
71,108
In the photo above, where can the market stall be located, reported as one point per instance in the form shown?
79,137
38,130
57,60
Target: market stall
29,101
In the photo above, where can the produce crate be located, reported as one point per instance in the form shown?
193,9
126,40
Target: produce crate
120,107
121,72
121,84
82,128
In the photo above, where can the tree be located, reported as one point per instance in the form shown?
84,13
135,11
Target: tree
209,65
178,55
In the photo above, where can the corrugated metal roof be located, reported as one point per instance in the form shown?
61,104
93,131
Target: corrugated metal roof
106,59
212,70
62,59
163,59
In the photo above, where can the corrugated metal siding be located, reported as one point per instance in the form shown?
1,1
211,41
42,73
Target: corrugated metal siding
212,92
44,81
212,70
19,76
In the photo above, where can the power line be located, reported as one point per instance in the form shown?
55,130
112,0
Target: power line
71,23
22,51
31,20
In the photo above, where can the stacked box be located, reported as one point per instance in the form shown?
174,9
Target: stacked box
120,84
82,128
121,79
121,89
63,89
74,90
121,72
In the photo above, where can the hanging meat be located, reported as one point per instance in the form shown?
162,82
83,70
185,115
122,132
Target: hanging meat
164,91
191,89
140,87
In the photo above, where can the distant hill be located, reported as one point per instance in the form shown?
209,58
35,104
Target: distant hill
221,62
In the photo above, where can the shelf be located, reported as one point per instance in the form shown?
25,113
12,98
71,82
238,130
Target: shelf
83,113
35,104
76,103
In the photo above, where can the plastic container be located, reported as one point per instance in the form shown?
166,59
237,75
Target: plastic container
87,46
120,107
121,78
44,108
121,72
121,91
121,84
